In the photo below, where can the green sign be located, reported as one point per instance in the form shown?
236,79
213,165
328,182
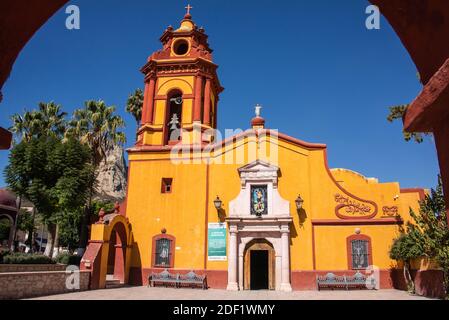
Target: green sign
216,239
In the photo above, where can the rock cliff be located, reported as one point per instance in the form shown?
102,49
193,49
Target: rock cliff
112,176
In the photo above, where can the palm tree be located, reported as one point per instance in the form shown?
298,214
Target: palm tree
22,126
134,106
48,120
52,119
97,126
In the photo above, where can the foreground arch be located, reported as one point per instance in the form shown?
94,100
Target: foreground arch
109,245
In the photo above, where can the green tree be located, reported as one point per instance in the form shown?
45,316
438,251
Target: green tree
70,222
24,126
398,113
407,247
134,106
97,126
47,120
25,223
53,175
5,227
97,205
429,233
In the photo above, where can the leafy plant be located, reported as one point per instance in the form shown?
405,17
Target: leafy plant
53,175
398,112
134,106
407,247
108,206
25,221
68,259
5,227
4,253
429,234
47,120
23,258
69,225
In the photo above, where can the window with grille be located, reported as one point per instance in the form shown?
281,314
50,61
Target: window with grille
163,253
167,185
360,254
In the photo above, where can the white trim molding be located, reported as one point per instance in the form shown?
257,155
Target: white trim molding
273,227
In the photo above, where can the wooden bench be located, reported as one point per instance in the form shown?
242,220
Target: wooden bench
357,281
166,278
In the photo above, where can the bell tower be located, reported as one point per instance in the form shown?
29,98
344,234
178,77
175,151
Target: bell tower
181,88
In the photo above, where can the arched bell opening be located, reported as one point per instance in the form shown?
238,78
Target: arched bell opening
173,119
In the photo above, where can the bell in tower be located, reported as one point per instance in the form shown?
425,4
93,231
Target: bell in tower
181,88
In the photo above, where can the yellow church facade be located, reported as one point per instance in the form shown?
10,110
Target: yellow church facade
256,210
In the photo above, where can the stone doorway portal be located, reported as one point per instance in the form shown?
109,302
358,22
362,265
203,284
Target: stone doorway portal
259,266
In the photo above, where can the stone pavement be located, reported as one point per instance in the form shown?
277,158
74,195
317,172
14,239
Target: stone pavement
144,293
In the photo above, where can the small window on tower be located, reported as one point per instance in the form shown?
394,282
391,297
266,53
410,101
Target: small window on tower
166,185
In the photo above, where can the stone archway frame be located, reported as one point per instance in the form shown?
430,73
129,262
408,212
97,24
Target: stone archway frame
95,259
254,245
276,231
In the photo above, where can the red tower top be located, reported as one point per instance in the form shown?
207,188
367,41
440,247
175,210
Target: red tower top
188,41
181,87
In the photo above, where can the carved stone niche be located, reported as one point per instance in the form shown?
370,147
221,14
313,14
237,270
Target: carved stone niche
259,173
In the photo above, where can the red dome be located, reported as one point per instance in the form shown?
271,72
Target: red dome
258,121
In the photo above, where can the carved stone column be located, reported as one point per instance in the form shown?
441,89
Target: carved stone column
232,260
285,274
241,271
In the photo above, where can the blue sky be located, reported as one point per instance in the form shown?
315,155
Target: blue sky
319,73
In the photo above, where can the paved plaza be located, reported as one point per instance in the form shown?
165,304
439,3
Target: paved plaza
144,293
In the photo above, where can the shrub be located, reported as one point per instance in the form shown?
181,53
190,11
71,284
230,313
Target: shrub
3,253
23,258
69,259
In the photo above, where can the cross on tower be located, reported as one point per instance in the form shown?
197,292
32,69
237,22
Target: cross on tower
188,8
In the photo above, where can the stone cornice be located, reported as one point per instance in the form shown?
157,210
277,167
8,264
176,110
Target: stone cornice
174,67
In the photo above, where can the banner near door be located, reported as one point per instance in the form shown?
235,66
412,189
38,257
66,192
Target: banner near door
216,239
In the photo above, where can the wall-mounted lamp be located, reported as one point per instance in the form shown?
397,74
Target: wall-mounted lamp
218,203
299,202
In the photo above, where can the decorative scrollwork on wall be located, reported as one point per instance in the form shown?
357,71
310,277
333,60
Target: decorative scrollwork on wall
390,211
348,208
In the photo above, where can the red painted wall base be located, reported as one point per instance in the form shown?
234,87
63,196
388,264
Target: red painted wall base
428,283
